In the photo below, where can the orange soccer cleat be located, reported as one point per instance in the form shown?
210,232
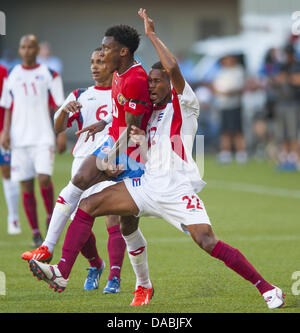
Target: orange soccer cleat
40,254
142,296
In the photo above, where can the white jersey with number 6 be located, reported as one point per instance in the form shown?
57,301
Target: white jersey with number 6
96,106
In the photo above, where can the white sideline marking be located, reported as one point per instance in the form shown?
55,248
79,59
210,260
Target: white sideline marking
254,188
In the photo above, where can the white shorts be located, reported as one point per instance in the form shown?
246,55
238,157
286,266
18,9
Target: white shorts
28,162
180,208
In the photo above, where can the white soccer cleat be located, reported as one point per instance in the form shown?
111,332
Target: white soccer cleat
14,228
274,298
48,273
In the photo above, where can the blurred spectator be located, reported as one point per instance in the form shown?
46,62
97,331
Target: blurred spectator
8,60
45,57
263,119
186,66
228,87
208,122
287,111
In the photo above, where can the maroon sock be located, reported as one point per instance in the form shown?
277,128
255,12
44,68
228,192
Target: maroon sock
48,198
89,251
29,204
77,235
234,259
116,249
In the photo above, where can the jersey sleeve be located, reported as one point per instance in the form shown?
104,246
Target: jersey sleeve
137,96
70,98
189,100
56,90
108,118
6,100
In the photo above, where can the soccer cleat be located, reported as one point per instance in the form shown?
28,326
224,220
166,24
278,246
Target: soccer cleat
48,273
40,254
14,228
92,279
142,296
112,286
37,240
274,298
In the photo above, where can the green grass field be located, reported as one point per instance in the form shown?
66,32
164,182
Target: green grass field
251,207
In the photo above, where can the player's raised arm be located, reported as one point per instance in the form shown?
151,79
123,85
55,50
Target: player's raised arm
167,59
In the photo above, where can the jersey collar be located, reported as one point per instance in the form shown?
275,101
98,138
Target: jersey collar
134,65
102,88
30,68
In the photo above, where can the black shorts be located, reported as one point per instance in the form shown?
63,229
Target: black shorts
231,120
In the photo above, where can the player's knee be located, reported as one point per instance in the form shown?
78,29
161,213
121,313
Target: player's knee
44,180
87,205
81,180
112,220
128,225
206,241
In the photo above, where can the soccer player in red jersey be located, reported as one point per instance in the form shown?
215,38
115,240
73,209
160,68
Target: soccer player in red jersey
167,191
10,188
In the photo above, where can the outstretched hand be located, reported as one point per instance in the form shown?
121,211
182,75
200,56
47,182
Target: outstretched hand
148,22
92,130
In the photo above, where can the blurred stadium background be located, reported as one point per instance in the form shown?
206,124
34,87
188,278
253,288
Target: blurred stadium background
198,32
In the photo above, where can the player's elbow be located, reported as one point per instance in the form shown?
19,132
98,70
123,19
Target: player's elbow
172,67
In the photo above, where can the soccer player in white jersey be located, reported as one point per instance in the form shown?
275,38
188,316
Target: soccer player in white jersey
29,131
10,188
87,106
169,192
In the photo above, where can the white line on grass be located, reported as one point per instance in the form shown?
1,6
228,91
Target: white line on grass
254,188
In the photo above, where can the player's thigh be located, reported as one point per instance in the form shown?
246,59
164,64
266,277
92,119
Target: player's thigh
113,200
43,159
88,173
22,165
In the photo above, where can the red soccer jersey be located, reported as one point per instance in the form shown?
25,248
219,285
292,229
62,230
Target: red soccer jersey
130,93
3,75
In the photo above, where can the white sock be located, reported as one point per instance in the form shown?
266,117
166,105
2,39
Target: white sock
137,252
11,193
65,205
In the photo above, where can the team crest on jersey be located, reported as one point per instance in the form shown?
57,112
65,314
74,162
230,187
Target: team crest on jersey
160,116
121,99
105,149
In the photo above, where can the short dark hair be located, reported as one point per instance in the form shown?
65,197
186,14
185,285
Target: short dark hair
125,35
158,65
98,49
